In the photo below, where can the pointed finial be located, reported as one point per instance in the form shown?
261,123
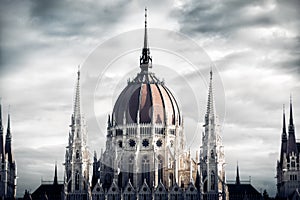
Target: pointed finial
146,36
8,119
284,127
145,59
211,73
78,72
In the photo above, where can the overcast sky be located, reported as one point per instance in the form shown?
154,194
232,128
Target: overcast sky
255,46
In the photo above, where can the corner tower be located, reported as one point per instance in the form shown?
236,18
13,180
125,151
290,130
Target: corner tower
212,157
77,161
8,167
288,171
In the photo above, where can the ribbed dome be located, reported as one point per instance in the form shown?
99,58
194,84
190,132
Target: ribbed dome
147,100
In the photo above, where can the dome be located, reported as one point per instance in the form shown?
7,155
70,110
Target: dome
146,100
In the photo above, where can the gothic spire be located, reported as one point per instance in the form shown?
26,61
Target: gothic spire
291,112
77,98
55,182
2,152
283,126
292,146
145,59
210,113
237,179
8,149
283,138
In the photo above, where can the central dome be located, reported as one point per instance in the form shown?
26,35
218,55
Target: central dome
146,100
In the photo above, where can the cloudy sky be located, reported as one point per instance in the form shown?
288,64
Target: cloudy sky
254,45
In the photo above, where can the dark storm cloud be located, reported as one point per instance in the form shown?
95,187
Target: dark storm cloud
222,17
67,18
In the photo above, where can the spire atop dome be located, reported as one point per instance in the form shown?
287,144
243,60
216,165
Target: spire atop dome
145,59
145,36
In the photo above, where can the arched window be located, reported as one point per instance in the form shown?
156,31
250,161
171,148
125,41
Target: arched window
212,176
77,154
77,181
130,168
160,168
146,169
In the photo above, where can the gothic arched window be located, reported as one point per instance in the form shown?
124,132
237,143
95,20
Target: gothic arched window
77,154
130,168
146,169
212,176
160,168
77,181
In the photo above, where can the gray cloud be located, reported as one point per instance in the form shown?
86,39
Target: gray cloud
255,46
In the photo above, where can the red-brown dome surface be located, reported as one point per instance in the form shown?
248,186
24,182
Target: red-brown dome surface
147,100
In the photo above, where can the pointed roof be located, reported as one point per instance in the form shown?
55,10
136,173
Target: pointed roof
98,189
2,151
129,188
55,182
292,146
237,179
77,104
211,111
160,188
145,188
8,149
283,138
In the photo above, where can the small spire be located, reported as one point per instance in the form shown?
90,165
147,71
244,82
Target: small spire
77,98
237,180
284,126
55,182
8,149
292,146
210,102
291,111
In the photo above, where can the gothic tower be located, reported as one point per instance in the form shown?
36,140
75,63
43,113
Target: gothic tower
76,183
8,170
212,157
288,171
